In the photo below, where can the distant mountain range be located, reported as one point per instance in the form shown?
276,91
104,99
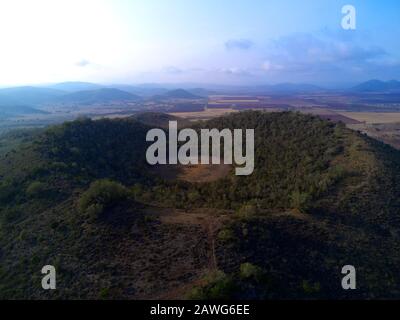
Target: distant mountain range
28,96
378,86
86,93
6,112
106,95
75,86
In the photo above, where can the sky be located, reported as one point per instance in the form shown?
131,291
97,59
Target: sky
235,42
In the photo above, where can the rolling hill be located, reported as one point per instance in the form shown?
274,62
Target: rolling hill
105,95
29,96
378,86
80,196
74,86
6,111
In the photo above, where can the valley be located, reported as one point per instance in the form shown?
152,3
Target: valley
369,103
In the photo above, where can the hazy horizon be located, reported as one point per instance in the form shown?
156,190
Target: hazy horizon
176,42
193,85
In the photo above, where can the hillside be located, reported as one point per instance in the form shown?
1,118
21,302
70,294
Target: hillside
177,94
105,95
159,120
17,110
321,196
74,86
378,86
27,96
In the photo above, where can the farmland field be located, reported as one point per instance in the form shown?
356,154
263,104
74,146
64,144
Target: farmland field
374,117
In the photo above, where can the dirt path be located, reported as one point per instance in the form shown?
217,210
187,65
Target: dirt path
210,223
211,230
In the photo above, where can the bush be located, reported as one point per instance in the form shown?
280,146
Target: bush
247,210
36,189
218,286
226,235
7,191
300,201
311,288
248,270
101,194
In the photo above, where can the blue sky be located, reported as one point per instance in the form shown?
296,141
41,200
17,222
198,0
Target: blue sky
198,41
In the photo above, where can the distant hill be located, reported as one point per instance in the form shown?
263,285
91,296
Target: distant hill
20,110
378,86
105,95
139,90
178,94
6,111
28,95
75,86
201,92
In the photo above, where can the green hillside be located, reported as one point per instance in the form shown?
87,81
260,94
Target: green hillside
81,197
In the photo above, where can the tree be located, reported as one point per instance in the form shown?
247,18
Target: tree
101,195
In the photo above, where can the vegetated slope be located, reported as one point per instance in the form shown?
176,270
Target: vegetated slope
159,120
321,196
105,95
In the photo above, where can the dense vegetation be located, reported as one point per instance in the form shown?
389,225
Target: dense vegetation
80,196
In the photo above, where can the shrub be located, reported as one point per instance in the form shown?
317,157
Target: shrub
247,210
7,191
36,189
101,195
226,235
310,288
300,201
218,286
248,270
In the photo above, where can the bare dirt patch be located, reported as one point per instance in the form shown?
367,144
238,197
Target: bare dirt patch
205,223
374,117
207,114
193,173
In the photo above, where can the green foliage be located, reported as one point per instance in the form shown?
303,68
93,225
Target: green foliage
347,183
37,189
247,210
7,191
218,286
11,215
226,235
101,195
113,149
300,200
104,293
311,288
293,166
248,270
